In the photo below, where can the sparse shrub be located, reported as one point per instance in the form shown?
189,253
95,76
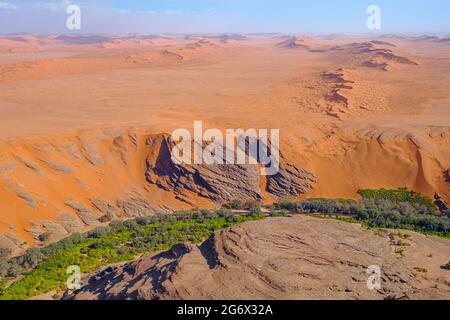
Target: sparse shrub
380,209
255,211
398,195
131,224
232,219
116,226
31,258
237,205
224,212
14,270
288,205
197,215
4,265
98,232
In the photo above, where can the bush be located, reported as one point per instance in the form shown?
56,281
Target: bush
232,219
224,212
45,273
377,211
287,205
4,265
280,213
131,224
255,211
398,195
98,232
116,226
14,270
237,205
31,258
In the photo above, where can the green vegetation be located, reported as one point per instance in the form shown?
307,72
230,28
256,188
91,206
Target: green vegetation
44,270
242,205
41,270
394,209
279,213
397,196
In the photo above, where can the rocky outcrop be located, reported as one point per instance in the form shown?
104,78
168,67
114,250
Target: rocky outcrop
69,222
59,167
440,203
447,175
47,230
374,51
135,207
85,214
91,153
25,196
10,244
280,258
299,43
220,183
376,65
110,212
290,181
337,82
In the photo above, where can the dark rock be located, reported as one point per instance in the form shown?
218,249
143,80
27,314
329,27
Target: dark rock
86,215
219,183
440,203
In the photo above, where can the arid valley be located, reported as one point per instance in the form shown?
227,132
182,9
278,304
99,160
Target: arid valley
85,124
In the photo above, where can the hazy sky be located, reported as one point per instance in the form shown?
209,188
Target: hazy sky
211,16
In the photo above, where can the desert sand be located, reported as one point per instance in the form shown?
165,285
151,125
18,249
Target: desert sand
84,121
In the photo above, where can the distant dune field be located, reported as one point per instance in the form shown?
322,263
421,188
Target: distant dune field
84,121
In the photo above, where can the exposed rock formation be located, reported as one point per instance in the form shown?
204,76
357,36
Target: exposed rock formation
374,51
338,83
290,181
110,211
10,244
374,64
282,258
301,43
86,215
135,207
221,183
440,203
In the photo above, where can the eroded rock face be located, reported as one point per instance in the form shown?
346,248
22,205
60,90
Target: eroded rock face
135,207
109,211
221,183
279,258
440,203
10,244
85,214
290,181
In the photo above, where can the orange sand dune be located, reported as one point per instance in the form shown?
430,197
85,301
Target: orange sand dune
77,118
